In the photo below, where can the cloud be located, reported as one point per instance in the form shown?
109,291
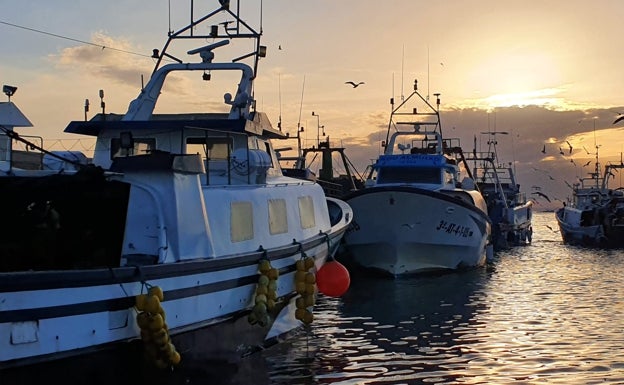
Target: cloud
113,59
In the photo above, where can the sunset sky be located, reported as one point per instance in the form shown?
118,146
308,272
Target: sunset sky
546,71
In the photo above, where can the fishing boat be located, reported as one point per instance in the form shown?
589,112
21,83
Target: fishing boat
414,214
335,183
179,240
594,217
508,207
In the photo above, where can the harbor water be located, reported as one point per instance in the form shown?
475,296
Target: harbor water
546,313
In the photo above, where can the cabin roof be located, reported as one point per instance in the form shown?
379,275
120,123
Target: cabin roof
11,116
259,125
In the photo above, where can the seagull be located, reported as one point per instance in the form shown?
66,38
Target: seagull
553,230
587,164
544,149
618,119
354,84
541,194
569,145
561,151
572,161
587,151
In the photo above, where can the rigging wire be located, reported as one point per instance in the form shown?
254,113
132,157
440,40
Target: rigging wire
72,39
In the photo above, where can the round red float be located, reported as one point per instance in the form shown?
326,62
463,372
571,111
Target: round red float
332,279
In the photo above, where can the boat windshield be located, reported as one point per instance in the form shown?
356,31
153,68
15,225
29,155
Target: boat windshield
396,174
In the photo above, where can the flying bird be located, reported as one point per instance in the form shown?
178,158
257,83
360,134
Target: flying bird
541,194
551,229
544,149
618,119
587,151
354,84
570,146
587,164
561,151
572,161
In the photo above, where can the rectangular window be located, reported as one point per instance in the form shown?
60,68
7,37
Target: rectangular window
241,221
306,212
139,146
278,222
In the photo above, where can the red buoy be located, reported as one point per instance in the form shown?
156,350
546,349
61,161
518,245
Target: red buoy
333,279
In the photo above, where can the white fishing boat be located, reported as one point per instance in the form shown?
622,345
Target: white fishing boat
508,207
415,215
594,217
181,239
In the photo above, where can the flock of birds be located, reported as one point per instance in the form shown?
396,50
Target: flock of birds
562,151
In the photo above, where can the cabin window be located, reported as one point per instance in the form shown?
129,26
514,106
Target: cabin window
449,177
428,175
306,212
140,146
241,221
209,148
278,222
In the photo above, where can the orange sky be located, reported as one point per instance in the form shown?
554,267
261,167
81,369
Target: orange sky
488,59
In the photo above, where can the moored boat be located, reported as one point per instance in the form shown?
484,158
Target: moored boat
335,184
181,235
508,207
414,214
595,215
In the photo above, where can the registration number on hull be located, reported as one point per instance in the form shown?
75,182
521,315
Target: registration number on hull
454,228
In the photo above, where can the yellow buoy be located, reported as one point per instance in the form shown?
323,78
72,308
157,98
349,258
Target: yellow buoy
143,320
152,304
310,278
157,291
300,287
140,301
176,358
310,288
263,280
264,266
300,265
273,273
300,313
309,263
308,317
156,322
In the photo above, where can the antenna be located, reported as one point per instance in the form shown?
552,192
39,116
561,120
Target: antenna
402,64
427,71
301,104
279,92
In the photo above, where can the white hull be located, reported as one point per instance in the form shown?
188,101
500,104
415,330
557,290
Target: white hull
405,231
572,232
55,314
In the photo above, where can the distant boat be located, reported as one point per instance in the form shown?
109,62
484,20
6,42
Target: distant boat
414,214
180,240
508,207
595,216
334,184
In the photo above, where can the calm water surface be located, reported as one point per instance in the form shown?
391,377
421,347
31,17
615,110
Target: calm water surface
541,314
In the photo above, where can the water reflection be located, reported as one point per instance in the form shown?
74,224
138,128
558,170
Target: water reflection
545,313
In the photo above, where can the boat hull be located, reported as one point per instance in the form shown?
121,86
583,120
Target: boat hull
511,226
50,315
590,235
404,230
